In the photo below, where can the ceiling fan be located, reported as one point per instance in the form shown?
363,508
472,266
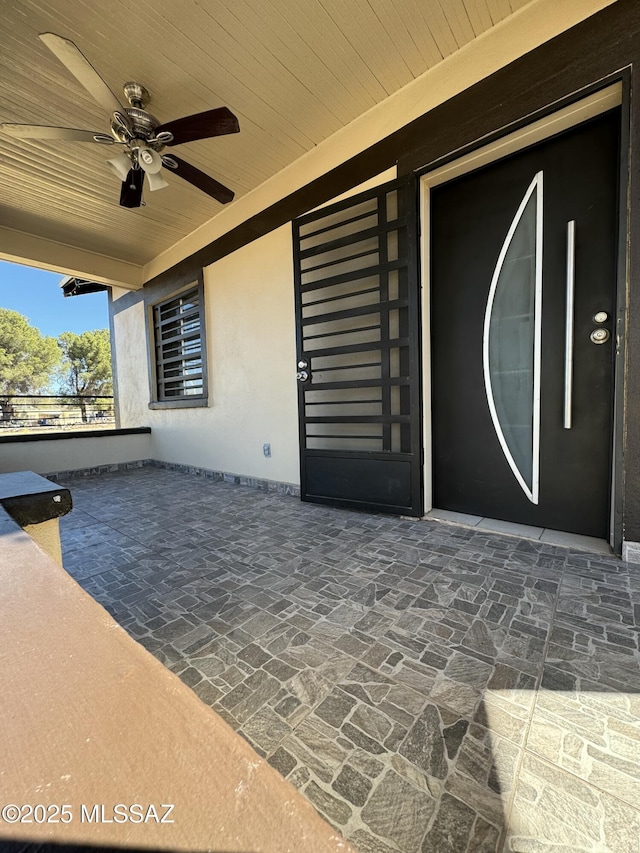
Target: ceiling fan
141,136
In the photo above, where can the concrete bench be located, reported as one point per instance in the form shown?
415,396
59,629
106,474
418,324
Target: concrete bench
36,504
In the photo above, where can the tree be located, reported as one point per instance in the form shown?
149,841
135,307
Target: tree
28,359
86,360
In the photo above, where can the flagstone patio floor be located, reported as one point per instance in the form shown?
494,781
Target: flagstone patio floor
428,687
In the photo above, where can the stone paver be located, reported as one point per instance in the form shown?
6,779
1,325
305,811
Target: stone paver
428,687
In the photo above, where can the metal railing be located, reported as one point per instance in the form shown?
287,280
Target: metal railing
54,413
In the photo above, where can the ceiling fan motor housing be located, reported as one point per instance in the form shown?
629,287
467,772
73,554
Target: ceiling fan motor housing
137,122
143,124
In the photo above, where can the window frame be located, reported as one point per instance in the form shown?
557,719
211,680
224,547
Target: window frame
186,401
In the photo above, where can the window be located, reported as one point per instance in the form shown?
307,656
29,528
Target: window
180,360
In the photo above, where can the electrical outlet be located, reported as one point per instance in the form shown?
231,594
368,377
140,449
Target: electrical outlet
266,449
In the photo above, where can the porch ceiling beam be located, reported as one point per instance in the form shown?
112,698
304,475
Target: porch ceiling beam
22,248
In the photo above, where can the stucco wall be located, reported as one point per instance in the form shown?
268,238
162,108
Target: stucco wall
249,312
129,353
49,456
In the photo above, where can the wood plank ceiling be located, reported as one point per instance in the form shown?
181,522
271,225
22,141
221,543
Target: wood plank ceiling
293,71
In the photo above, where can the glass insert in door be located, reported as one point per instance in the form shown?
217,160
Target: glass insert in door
511,341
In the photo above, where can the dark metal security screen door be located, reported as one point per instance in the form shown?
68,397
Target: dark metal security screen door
357,326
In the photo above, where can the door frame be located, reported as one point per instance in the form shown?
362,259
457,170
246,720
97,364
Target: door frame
607,94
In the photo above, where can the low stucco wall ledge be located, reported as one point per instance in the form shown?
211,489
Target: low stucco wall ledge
91,721
55,452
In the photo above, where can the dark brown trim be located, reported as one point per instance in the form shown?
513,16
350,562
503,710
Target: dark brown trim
622,287
180,403
622,76
67,436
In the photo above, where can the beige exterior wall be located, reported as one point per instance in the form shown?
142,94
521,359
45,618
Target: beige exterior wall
45,457
250,328
251,361
130,363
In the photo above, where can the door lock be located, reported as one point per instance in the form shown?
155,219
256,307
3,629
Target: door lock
599,336
303,370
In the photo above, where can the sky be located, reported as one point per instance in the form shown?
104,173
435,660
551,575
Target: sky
37,294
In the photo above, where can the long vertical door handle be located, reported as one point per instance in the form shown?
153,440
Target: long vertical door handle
568,329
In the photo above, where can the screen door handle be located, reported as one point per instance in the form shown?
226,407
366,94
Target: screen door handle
568,328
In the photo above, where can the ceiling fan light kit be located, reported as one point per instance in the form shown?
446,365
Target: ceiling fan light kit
140,134
149,160
120,166
156,181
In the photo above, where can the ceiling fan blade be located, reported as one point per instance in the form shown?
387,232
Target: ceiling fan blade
75,62
200,179
216,122
131,190
68,134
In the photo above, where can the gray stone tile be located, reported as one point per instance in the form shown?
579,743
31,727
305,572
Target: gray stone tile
372,722
425,746
316,749
266,729
357,737
398,812
352,786
287,707
555,810
300,776
366,763
412,678
331,807
367,843
282,761
254,655
208,692
595,735
452,828
335,708
487,804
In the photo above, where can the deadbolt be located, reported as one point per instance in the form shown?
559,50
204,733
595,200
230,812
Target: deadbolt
302,364
599,336
601,317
